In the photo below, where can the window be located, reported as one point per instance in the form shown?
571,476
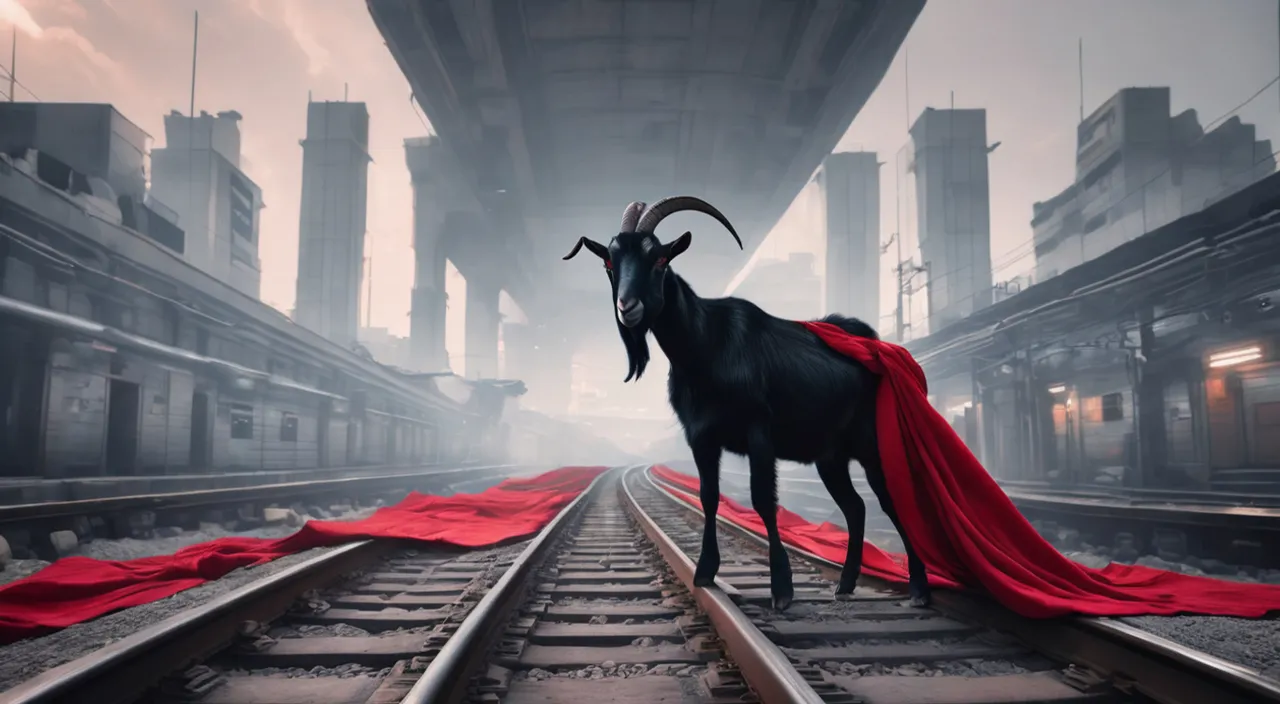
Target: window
242,202
1112,407
241,421
288,428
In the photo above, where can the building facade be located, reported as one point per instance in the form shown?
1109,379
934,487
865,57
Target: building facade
1137,168
119,357
198,175
1151,366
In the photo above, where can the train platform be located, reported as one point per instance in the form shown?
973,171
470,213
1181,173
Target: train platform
31,490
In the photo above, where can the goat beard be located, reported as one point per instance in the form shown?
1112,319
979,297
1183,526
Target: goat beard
637,344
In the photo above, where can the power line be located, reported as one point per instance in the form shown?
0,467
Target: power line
14,81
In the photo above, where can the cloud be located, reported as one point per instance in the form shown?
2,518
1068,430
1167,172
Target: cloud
12,12
97,59
296,20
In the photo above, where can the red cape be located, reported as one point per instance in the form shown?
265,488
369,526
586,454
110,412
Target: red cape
968,532
77,589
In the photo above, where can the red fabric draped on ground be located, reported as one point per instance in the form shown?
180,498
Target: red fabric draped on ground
77,589
828,541
968,532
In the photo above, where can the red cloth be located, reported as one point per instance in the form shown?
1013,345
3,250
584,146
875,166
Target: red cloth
77,589
967,531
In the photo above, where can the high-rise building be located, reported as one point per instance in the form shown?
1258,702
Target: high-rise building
335,172
197,174
948,155
1137,168
850,185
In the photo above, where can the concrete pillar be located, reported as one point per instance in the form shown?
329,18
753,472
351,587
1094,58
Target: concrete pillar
482,328
850,184
428,174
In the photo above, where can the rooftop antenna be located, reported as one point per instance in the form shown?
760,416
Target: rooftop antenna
344,92
1081,67
368,303
308,97
13,63
906,83
191,112
195,46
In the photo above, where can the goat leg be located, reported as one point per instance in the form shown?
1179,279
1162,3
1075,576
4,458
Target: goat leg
764,498
835,477
706,456
917,577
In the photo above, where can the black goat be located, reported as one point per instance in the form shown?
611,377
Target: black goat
755,385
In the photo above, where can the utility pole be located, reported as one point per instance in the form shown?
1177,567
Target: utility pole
195,47
906,272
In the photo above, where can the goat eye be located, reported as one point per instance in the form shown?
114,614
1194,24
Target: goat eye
608,265
662,261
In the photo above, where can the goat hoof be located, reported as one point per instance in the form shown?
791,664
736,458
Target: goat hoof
703,581
920,598
780,603
846,586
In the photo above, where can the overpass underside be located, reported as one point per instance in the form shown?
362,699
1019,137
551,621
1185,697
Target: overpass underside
552,115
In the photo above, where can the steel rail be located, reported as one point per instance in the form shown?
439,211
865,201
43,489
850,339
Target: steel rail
448,676
204,497
1134,660
761,662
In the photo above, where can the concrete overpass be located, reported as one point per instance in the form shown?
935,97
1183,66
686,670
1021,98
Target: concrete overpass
552,115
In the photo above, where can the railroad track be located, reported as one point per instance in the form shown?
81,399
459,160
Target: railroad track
599,607
869,639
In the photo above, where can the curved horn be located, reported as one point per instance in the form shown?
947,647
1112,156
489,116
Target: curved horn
631,216
657,212
574,252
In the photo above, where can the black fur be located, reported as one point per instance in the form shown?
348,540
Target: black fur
744,381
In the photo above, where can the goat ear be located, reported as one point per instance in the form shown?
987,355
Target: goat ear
596,248
679,245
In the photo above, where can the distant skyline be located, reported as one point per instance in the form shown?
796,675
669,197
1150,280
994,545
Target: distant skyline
1015,58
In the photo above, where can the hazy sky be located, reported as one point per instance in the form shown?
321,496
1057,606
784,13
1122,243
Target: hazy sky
1016,58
